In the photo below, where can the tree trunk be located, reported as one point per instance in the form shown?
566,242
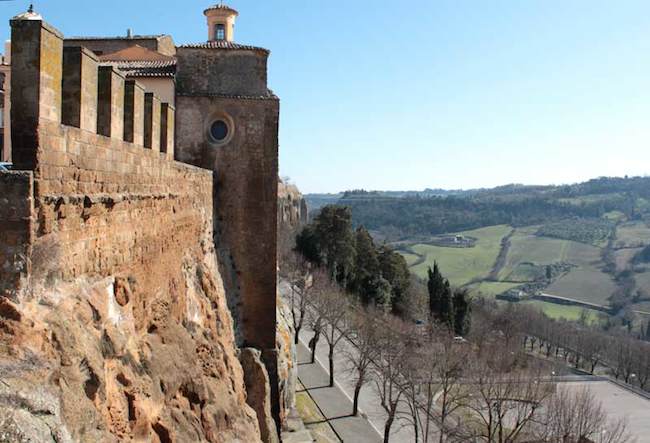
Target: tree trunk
415,428
331,358
312,345
387,426
357,391
296,339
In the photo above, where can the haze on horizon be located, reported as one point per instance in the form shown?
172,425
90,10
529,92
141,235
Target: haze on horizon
432,94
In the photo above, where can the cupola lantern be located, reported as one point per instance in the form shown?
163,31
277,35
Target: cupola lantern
221,22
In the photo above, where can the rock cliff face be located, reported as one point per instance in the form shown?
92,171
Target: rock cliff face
292,207
292,213
107,360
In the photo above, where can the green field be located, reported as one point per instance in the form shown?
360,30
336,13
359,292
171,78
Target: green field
643,281
525,249
410,258
615,216
587,284
624,258
490,288
462,265
562,311
526,261
632,235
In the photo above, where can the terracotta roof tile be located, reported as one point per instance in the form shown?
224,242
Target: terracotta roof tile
145,68
135,53
121,37
224,44
221,7
270,95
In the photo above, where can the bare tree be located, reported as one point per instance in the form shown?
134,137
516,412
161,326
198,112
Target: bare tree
576,416
505,405
393,350
621,355
333,305
452,393
316,322
297,271
365,327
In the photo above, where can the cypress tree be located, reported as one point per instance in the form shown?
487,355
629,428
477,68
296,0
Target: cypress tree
447,306
461,312
436,287
440,297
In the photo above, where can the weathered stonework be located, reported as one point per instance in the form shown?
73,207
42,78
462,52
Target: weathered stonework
16,215
114,319
152,116
167,129
258,389
110,106
79,90
224,81
133,113
37,53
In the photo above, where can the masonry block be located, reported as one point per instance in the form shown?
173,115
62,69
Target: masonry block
134,112
110,103
167,114
79,95
36,79
151,122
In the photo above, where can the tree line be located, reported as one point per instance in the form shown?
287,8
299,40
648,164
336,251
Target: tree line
485,388
403,217
378,275
406,347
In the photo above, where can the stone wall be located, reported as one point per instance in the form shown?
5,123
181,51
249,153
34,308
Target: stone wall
206,70
160,43
94,195
16,211
225,81
115,326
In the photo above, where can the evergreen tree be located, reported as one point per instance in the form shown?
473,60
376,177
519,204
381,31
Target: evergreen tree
440,297
447,306
396,271
462,309
436,287
307,245
333,230
382,298
366,266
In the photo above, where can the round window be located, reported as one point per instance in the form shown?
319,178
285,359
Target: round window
219,131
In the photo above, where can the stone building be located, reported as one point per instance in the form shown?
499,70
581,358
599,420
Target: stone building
227,121
205,104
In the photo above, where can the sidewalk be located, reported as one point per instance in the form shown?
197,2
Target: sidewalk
333,403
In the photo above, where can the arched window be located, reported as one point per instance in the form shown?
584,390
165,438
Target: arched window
220,32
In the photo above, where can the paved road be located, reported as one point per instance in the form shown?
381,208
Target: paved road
334,404
620,403
369,401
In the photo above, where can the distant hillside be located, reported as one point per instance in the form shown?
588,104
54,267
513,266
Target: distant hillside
401,214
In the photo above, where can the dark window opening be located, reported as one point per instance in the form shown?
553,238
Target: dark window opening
219,130
220,32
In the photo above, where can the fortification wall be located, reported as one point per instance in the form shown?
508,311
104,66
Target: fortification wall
114,320
114,205
16,213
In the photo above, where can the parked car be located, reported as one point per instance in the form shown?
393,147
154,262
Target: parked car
5,166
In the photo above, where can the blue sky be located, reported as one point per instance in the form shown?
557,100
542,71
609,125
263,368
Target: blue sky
430,93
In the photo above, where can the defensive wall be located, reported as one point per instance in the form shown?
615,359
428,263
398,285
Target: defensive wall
97,190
